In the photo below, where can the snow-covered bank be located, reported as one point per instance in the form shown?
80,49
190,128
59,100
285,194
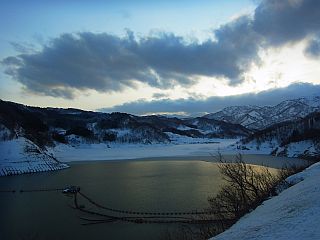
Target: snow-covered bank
293,214
85,152
15,159
294,149
22,156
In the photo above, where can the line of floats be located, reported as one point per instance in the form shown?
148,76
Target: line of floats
107,214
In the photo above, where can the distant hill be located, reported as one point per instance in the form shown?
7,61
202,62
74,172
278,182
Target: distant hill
29,135
49,126
257,117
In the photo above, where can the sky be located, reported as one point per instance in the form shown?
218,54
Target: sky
182,57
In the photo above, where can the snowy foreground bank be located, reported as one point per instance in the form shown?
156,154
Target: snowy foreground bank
293,214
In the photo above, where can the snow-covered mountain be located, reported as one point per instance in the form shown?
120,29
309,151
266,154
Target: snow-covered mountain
295,138
256,117
28,134
47,127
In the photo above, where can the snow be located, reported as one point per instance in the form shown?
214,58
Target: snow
313,101
247,121
254,148
255,114
121,132
297,148
116,151
183,128
294,214
180,139
255,117
294,149
22,156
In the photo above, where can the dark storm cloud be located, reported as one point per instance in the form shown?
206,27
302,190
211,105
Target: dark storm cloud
194,107
108,63
285,21
87,61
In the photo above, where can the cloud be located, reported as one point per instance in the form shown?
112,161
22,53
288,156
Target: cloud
159,95
195,107
23,48
86,61
313,48
285,21
108,63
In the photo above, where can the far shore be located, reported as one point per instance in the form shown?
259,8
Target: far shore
255,159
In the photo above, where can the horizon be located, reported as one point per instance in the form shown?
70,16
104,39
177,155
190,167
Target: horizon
176,115
181,57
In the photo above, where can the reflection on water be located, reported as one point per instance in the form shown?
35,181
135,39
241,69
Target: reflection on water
155,186
135,185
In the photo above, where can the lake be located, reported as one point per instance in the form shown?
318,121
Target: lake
177,184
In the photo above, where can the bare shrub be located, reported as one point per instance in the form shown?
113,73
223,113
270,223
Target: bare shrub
246,188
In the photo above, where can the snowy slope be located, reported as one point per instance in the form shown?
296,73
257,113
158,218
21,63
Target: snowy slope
292,138
296,149
256,117
244,115
294,214
22,156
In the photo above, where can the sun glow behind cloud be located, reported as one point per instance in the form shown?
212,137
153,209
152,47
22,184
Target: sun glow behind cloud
284,66
280,67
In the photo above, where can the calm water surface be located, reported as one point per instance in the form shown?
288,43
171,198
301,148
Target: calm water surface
134,185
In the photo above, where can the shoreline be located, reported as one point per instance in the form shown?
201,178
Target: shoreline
92,153
254,159
177,152
85,152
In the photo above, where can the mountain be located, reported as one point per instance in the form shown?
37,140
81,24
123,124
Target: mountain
294,138
47,127
29,136
212,128
257,118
